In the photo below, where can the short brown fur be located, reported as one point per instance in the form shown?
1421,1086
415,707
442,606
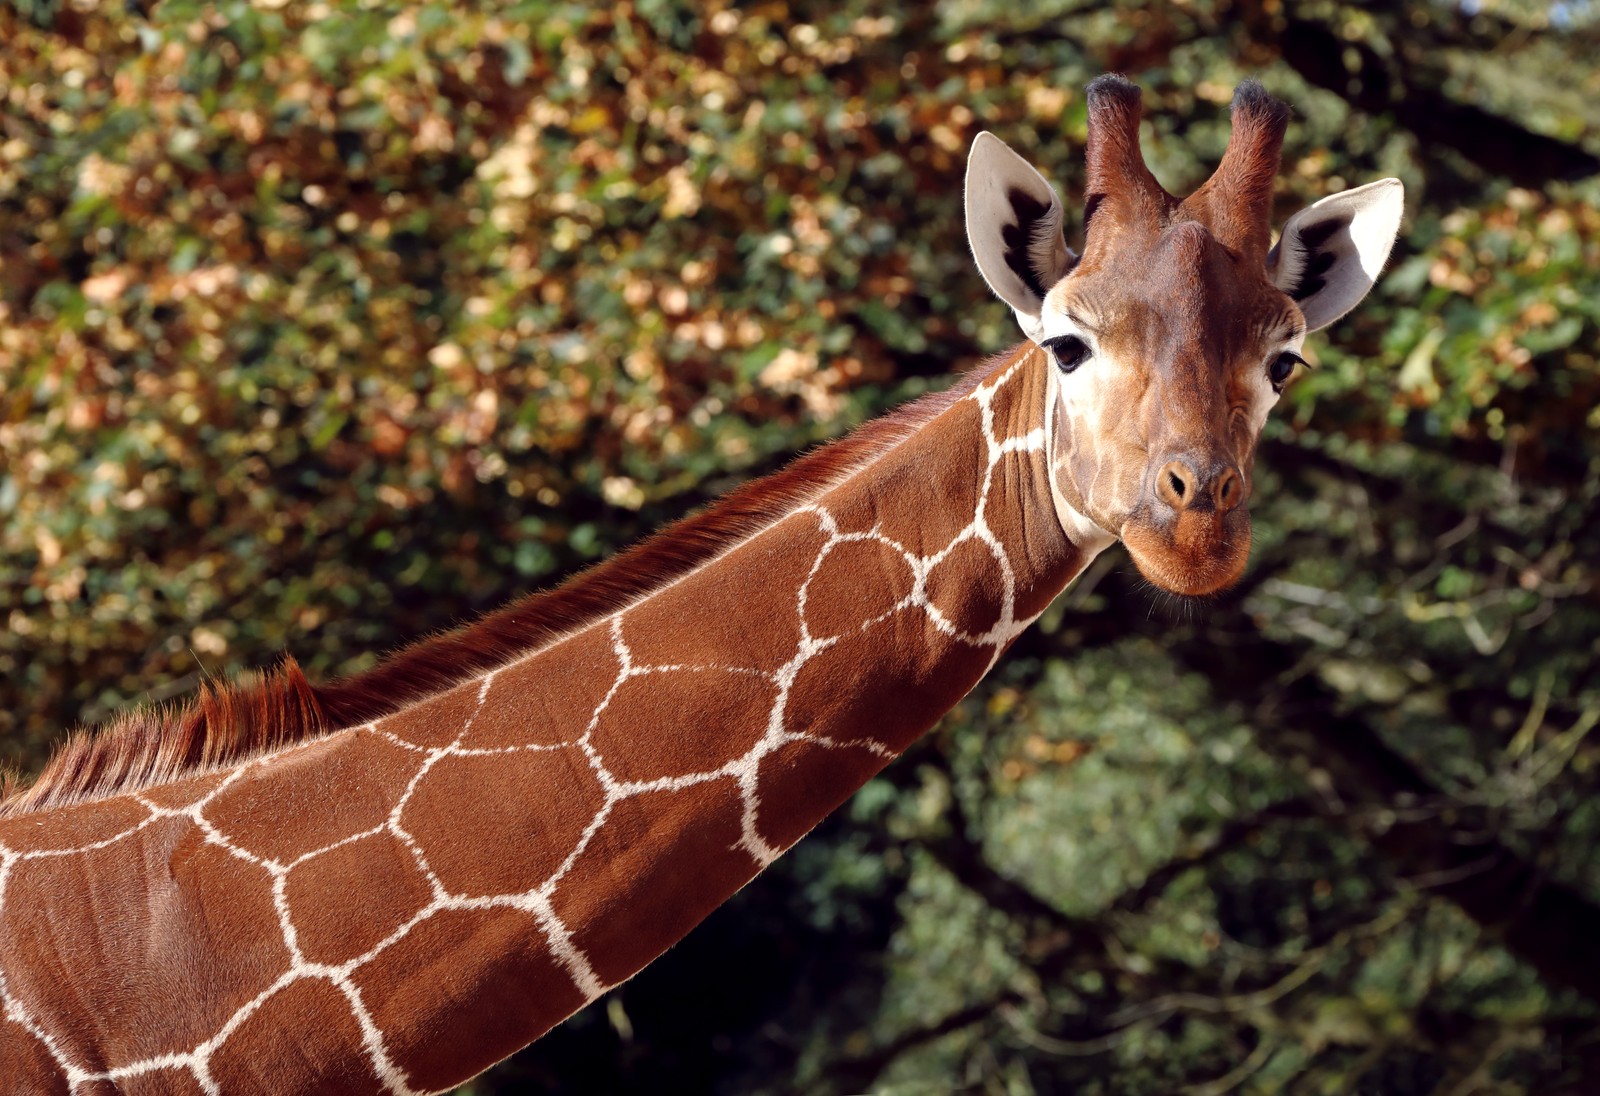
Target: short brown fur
261,712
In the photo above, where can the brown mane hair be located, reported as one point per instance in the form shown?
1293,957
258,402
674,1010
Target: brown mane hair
260,712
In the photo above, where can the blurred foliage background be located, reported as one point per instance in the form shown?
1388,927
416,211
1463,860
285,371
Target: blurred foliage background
325,325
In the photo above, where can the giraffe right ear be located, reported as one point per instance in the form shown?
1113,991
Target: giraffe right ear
1332,252
1014,226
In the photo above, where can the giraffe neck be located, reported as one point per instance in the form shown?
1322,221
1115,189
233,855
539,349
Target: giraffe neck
396,906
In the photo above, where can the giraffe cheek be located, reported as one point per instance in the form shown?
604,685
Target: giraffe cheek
1083,482
1067,484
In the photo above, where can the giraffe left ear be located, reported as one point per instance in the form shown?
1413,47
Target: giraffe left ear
1332,252
1014,226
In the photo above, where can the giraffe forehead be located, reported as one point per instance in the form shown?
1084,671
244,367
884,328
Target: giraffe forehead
1180,300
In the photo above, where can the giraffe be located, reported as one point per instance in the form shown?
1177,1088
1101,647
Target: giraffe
388,883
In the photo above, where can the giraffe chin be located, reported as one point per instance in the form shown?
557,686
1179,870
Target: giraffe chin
1197,555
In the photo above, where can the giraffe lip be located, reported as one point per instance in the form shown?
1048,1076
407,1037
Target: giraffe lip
1193,555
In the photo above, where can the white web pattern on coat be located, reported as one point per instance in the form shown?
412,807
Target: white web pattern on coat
538,900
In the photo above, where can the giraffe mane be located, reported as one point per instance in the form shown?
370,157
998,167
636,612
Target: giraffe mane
259,712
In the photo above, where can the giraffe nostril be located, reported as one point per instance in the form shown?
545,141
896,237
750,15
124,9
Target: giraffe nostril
1229,491
1175,483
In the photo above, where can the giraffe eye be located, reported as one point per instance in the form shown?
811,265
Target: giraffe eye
1068,351
1281,368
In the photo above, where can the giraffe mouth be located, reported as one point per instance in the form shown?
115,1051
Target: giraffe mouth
1194,555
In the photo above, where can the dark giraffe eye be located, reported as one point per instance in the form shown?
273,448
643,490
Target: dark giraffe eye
1282,367
1068,351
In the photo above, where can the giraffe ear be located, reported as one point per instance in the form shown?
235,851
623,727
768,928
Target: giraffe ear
1332,252
1014,226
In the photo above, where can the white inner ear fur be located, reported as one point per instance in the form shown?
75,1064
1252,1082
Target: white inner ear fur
1332,252
995,174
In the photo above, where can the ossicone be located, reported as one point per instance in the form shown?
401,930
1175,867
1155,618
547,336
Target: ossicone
1236,202
1115,164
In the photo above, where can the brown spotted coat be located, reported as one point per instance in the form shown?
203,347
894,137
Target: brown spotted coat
396,905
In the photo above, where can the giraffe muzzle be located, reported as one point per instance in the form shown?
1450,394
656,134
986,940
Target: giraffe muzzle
1191,536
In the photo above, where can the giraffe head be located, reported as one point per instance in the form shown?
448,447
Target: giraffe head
1174,333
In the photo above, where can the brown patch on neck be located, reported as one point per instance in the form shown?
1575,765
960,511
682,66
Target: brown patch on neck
225,724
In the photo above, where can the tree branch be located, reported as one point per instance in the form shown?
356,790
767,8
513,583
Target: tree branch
1405,86
1543,922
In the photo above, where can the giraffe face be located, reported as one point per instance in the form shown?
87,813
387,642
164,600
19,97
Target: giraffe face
1173,336
1169,352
